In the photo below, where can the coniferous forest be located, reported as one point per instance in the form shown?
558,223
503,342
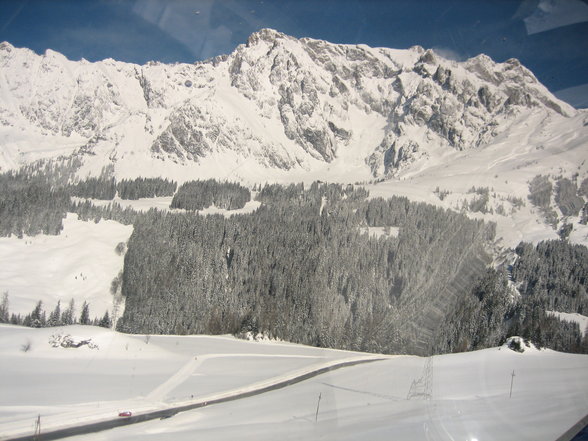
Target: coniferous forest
29,206
303,267
196,195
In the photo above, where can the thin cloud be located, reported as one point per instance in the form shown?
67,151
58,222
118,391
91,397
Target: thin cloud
449,54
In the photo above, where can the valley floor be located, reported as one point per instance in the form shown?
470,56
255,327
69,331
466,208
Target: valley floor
458,396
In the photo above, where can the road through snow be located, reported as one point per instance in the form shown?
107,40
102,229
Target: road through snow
92,419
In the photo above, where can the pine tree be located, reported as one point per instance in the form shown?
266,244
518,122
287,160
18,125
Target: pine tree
4,317
55,316
37,319
68,316
15,319
105,321
85,315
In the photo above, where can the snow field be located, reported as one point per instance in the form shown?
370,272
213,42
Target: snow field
457,396
469,400
80,263
130,372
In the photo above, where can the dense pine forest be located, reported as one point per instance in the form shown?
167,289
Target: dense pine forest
301,268
304,267
197,195
493,311
29,206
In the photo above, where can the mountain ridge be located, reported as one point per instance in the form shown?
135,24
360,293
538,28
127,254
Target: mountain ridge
277,102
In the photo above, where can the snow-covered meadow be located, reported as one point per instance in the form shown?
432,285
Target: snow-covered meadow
457,396
136,372
80,263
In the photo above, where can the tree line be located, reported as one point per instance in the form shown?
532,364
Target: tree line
197,195
38,317
106,188
36,202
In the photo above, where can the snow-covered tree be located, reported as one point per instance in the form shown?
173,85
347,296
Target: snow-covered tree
55,316
68,316
38,316
105,321
85,314
4,317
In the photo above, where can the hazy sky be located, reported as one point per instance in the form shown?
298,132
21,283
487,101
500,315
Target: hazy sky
548,36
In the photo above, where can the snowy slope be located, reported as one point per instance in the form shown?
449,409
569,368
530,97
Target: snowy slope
469,400
79,264
459,396
539,144
140,373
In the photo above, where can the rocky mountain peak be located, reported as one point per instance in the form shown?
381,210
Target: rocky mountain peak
267,35
282,101
6,46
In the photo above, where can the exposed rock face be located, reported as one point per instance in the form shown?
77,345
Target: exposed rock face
281,101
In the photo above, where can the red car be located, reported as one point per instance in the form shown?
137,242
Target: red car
126,413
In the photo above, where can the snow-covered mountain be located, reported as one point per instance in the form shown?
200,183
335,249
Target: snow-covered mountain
277,104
